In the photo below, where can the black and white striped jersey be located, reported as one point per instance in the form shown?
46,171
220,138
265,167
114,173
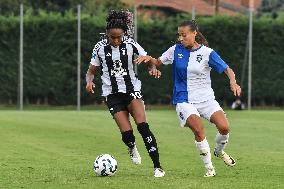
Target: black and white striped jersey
116,63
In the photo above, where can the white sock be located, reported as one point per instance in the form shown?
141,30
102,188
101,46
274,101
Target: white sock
204,151
221,142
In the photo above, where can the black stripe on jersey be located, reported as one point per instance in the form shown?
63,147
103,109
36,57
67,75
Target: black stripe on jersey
101,67
135,52
124,60
109,63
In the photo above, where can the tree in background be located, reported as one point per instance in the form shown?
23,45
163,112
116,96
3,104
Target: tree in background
8,7
271,7
98,7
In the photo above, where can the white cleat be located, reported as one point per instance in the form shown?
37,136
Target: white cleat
210,172
159,172
134,155
226,158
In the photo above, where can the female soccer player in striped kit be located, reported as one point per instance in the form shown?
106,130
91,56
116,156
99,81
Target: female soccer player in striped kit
121,87
193,96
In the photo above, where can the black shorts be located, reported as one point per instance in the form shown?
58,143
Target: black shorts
119,101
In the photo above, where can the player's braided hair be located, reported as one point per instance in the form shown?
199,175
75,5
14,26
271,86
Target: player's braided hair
194,27
117,19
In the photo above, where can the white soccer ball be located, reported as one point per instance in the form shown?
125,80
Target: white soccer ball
105,165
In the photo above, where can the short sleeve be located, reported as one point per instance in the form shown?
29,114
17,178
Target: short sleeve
216,63
138,49
168,56
95,59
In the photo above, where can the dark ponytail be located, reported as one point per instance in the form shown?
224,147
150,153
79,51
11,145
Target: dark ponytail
194,27
201,39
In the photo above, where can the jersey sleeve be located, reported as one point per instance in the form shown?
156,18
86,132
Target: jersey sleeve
216,62
138,49
168,56
95,59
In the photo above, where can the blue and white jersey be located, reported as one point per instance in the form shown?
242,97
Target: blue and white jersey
191,72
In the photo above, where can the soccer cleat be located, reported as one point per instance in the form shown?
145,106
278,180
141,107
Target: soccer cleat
134,155
210,172
226,158
159,172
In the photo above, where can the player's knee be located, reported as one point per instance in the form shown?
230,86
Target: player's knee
223,128
196,126
140,120
193,120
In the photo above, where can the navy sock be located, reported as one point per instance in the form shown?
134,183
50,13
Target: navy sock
128,138
150,143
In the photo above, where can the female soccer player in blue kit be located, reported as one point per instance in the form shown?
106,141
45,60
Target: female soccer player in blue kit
193,96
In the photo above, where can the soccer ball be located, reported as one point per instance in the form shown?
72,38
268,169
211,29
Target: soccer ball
105,165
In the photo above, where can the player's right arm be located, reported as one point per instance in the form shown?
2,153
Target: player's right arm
94,64
148,59
90,77
166,58
153,63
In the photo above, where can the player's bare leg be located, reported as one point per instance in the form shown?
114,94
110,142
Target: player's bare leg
222,137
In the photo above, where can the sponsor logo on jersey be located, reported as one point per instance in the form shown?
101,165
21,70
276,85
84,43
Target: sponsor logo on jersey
180,55
117,70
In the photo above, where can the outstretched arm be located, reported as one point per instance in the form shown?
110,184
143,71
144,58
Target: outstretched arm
89,78
148,60
233,83
152,64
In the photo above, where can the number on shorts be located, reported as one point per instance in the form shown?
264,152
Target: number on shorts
136,95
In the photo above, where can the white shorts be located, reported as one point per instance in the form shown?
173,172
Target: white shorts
203,109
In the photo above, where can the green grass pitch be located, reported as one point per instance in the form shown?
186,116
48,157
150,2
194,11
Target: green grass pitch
56,149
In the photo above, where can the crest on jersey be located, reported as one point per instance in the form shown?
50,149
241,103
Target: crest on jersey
118,70
123,50
199,58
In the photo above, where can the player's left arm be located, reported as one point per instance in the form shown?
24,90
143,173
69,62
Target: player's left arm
216,63
233,83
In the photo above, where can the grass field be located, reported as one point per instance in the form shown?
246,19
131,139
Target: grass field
56,149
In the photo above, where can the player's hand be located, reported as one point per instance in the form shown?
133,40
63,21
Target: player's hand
155,72
90,87
142,59
236,88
